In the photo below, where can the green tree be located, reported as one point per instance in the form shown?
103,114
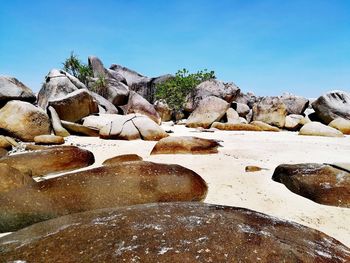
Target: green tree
175,90
78,69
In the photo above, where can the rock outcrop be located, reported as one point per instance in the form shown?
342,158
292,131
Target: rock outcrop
270,110
108,186
171,232
23,120
12,89
185,145
321,183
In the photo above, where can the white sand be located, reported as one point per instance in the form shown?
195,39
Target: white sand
228,182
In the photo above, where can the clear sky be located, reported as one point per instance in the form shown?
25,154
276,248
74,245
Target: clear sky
267,47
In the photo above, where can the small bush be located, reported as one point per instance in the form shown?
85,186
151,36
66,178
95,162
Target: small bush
175,90
100,86
78,69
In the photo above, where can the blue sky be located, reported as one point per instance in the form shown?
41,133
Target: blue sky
267,47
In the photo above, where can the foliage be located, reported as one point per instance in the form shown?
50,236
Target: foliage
175,90
78,69
100,86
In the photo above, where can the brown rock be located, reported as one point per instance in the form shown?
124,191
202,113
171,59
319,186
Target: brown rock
56,123
209,110
4,143
11,178
79,129
149,130
264,126
53,160
172,232
108,186
252,168
75,105
122,158
23,120
48,139
185,144
235,127
321,183
319,129
163,110
341,124
270,110
232,116
3,152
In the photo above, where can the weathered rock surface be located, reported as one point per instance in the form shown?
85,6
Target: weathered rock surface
213,87
341,124
11,178
247,98
185,145
232,116
235,127
53,160
79,129
209,110
264,126
12,89
294,122
138,104
242,109
149,130
172,232
48,139
4,142
108,186
319,129
270,110
122,158
106,105
295,104
58,84
23,120
163,110
332,105
3,152
58,129
75,105
320,183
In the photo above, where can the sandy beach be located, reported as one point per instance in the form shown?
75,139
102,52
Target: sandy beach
227,180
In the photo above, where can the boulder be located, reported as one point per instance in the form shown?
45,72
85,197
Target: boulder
242,109
58,84
23,120
209,110
148,129
171,232
56,123
5,143
242,120
249,116
163,110
295,104
264,126
48,139
253,168
213,87
319,129
247,99
106,105
11,178
75,105
232,116
79,129
3,152
121,159
185,145
294,122
270,110
52,160
12,89
107,186
332,105
341,124
138,104
235,127
320,183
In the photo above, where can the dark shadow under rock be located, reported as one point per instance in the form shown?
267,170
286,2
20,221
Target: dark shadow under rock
171,232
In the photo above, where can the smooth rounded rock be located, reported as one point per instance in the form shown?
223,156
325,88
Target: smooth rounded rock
264,126
171,232
235,127
341,124
319,129
122,158
49,139
11,178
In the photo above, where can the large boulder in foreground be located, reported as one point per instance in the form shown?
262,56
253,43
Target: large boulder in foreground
318,129
52,160
332,105
171,232
185,144
270,110
12,89
108,186
75,105
23,120
322,183
341,124
209,110
11,178
212,87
